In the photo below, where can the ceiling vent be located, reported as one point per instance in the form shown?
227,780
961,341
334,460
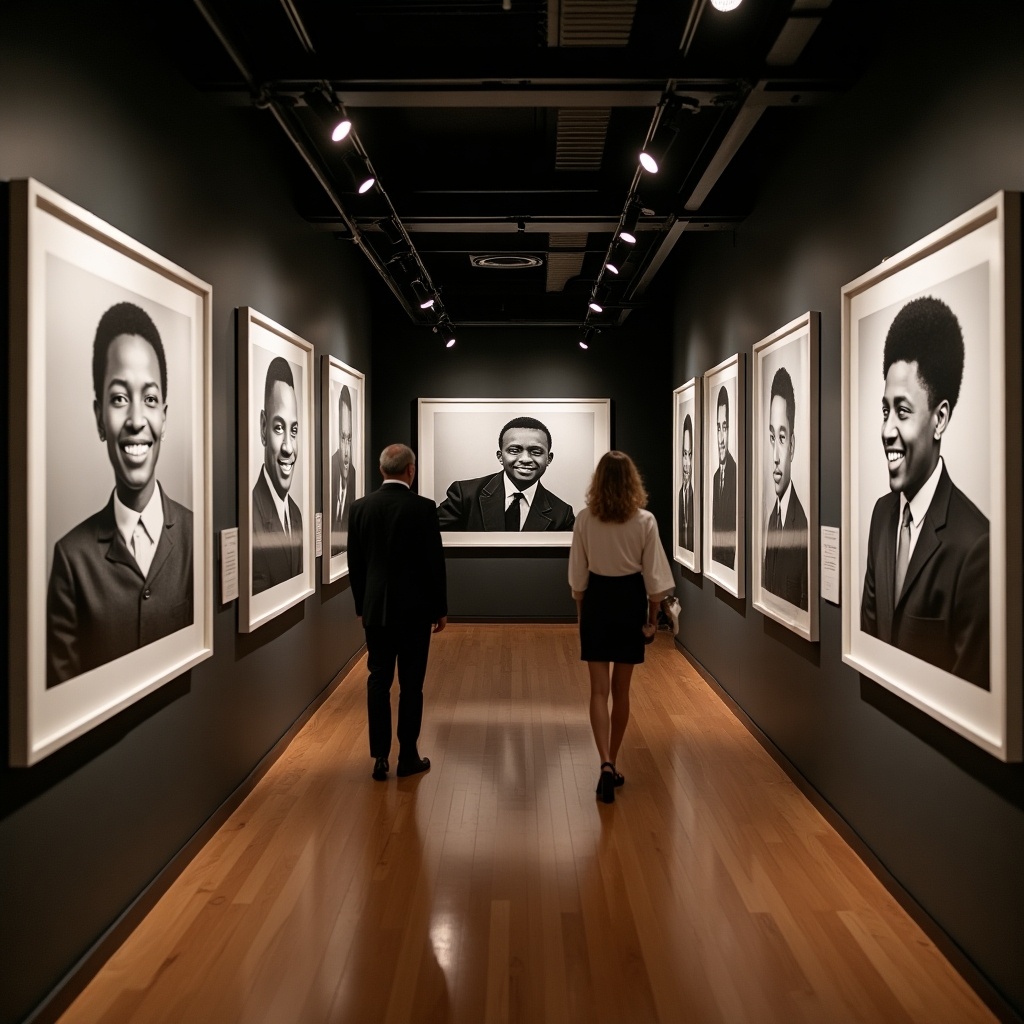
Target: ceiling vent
595,22
579,143
507,261
565,258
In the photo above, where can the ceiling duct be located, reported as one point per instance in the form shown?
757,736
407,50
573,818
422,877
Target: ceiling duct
595,22
579,142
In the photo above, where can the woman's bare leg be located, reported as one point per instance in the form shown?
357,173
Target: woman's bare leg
621,676
599,721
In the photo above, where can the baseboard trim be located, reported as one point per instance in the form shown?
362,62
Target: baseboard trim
69,987
959,960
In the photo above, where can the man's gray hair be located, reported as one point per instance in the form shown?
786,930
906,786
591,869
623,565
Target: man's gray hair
396,459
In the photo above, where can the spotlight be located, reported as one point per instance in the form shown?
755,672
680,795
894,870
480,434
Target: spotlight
615,261
629,221
362,179
596,306
611,268
325,105
725,5
448,333
583,344
423,295
649,160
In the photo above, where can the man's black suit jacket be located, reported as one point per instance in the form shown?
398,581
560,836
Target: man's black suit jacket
339,523
396,559
785,555
723,514
100,607
942,615
686,517
480,505
275,557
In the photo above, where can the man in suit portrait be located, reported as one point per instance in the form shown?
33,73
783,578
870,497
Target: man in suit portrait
723,491
686,491
396,565
276,519
122,578
926,585
513,499
343,475
785,551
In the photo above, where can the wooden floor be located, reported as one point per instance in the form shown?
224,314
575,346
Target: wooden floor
495,888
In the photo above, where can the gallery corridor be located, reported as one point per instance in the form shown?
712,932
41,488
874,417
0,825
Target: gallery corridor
495,888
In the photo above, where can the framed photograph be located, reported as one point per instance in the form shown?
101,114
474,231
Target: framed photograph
276,501
510,472
342,443
686,478
110,507
724,495
931,546
784,447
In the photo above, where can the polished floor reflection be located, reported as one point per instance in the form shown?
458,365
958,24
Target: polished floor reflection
495,888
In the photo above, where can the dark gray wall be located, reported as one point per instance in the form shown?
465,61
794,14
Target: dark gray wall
628,366
99,117
936,126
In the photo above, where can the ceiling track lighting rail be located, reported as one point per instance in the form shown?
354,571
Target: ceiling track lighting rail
322,99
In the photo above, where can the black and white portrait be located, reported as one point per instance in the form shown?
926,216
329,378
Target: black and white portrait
509,471
686,473
785,455
723,474
930,476
342,412
116,538
279,467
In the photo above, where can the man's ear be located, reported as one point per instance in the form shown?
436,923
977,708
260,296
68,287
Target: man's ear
551,455
263,427
497,455
99,419
940,416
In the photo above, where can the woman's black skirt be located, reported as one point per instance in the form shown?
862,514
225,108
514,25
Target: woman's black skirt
612,619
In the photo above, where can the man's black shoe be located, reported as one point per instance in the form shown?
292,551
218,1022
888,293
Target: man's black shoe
421,764
380,769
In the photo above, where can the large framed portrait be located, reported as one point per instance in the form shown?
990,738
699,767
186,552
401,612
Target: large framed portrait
686,476
343,440
724,470
931,550
110,505
510,472
784,465
276,502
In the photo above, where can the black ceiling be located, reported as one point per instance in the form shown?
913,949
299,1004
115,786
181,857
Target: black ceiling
512,129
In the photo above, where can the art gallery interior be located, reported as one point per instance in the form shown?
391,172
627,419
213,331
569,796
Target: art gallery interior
810,140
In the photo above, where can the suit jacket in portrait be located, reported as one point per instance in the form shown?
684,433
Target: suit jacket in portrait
686,517
339,523
275,556
480,505
942,615
395,558
99,605
785,555
723,514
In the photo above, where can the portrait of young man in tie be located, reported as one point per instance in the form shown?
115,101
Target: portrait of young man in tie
926,582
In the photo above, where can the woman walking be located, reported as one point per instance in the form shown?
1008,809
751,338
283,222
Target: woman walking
619,576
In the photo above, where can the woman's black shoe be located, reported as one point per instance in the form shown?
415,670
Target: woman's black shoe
606,783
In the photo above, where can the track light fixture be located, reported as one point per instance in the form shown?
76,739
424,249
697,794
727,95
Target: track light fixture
363,179
423,294
725,5
447,333
629,222
323,102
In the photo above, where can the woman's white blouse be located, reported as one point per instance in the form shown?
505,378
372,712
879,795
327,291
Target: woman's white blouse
619,549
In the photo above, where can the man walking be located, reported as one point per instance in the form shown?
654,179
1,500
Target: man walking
396,565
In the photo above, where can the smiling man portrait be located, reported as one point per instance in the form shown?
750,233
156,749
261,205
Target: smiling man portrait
122,578
276,519
926,584
513,499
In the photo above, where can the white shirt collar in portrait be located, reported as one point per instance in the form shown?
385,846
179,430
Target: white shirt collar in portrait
152,520
528,496
919,506
281,506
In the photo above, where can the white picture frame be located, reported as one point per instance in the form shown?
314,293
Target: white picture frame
459,463
277,569
90,631
784,453
724,544
687,429
931,644
341,388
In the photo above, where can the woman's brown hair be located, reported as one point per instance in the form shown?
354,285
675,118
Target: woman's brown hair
616,490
